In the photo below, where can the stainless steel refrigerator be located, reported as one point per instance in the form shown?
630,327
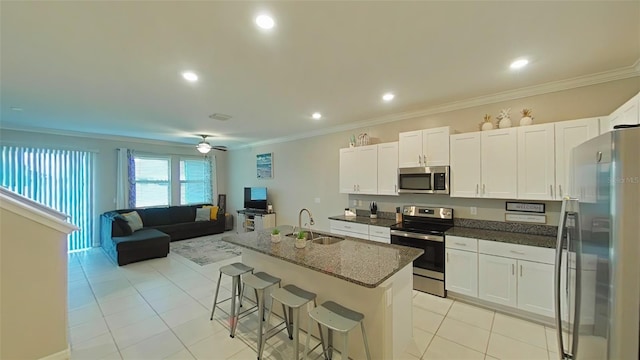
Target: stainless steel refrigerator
597,275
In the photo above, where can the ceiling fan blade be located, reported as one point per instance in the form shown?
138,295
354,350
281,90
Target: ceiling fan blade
219,147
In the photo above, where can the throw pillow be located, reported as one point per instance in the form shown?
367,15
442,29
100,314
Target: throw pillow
122,223
214,211
134,220
203,214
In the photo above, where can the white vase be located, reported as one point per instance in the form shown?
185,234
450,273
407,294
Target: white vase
488,125
504,123
275,238
526,121
300,243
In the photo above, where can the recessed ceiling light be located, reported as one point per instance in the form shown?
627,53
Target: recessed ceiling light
265,22
519,64
316,115
388,97
190,76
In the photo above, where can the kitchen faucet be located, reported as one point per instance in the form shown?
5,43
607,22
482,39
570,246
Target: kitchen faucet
311,222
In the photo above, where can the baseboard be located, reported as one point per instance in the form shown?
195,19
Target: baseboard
62,355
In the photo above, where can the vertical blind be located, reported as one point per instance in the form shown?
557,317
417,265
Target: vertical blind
60,179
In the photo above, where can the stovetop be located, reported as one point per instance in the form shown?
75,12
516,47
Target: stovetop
431,229
425,220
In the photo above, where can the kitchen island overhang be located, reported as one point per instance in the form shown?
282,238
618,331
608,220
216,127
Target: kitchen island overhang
372,278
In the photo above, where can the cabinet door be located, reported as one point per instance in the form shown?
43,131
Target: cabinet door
388,168
366,168
465,165
410,149
497,279
461,272
535,288
536,162
258,222
435,146
499,163
569,134
241,226
348,170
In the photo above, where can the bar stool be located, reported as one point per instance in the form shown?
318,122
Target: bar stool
259,281
292,299
338,318
234,270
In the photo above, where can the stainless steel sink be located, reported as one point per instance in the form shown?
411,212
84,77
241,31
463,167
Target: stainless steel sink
326,240
307,235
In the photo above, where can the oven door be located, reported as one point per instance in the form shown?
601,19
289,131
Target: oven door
431,263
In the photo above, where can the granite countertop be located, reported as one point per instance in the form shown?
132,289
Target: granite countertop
504,236
365,220
361,262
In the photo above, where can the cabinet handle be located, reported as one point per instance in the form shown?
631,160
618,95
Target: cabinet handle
518,252
420,159
347,227
461,244
395,189
477,186
358,187
551,190
354,187
560,189
424,159
483,189
520,270
447,257
513,269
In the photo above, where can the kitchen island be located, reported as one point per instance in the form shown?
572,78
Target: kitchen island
369,277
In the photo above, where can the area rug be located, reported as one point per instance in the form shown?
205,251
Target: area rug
205,250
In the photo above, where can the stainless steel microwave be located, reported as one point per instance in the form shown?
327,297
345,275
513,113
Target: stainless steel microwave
424,180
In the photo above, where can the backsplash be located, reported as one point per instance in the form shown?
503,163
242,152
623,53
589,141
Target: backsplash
381,214
532,229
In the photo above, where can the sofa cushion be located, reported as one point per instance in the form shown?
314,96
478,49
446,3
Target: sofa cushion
122,223
134,220
214,211
203,214
141,238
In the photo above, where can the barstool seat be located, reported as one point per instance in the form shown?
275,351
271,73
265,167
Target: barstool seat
292,298
234,270
336,317
260,280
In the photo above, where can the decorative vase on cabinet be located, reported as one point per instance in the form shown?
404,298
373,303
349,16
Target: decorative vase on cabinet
504,119
527,119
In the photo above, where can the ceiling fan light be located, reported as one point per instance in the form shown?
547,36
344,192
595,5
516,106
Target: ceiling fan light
203,147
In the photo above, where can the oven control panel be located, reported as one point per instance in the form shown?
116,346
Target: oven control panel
441,213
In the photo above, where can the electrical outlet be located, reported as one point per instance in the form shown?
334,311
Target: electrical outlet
317,200
359,202
355,202
474,210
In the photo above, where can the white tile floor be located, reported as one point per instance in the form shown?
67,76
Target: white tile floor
159,309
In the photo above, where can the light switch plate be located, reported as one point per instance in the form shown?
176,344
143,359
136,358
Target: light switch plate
473,210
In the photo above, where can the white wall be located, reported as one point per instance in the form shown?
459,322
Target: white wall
105,160
308,169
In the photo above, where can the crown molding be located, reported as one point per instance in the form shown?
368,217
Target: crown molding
546,88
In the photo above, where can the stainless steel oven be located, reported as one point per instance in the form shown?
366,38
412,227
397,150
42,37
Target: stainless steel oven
424,180
424,228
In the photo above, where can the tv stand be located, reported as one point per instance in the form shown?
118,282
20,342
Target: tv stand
254,219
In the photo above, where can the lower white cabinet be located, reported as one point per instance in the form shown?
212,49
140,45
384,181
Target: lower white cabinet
361,231
535,287
497,281
380,234
461,275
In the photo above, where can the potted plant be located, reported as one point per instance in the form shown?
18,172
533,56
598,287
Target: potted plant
301,240
275,235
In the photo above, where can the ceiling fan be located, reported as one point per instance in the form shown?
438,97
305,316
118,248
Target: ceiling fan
204,146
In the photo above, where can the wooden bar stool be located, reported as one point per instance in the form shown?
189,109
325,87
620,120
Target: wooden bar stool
292,299
338,318
234,270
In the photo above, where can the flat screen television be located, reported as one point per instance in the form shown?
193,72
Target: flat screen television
255,198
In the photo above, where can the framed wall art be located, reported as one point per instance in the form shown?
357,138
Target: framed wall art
264,165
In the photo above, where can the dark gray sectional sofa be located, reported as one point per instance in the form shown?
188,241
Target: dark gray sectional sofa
161,226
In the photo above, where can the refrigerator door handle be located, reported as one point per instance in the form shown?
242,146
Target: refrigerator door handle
558,269
578,292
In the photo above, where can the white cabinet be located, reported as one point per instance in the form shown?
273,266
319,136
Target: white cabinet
569,134
348,228
499,163
517,276
465,175
380,233
461,265
536,162
359,170
627,114
388,168
248,221
428,147
497,279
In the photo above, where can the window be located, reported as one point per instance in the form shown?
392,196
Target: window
195,181
60,179
152,181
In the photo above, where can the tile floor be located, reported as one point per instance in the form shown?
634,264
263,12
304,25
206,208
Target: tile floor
159,309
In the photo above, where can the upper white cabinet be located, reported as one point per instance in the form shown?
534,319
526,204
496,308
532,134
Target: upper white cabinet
424,147
536,162
569,134
465,173
627,114
388,168
499,163
359,170
484,164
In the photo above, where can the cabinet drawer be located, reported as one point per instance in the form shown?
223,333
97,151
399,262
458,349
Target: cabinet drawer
379,231
349,233
350,226
386,240
514,251
462,243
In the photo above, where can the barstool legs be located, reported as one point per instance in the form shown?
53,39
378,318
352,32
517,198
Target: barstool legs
366,343
234,312
215,298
